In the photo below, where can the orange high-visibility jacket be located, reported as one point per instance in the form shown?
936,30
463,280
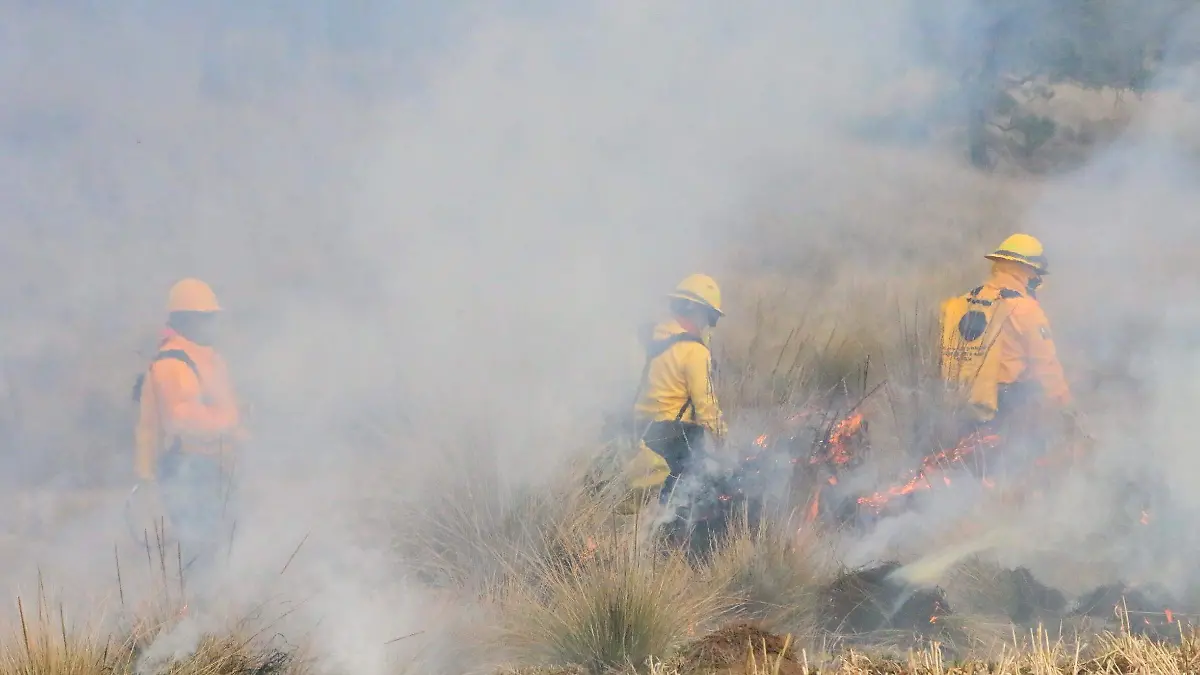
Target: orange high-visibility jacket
999,335
183,409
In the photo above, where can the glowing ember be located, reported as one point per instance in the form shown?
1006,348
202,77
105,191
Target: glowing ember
839,437
935,462
761,441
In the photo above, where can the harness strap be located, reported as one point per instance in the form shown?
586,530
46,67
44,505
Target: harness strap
998,319
164,355
655,349
172,354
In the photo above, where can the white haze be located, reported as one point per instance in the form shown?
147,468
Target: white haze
437,239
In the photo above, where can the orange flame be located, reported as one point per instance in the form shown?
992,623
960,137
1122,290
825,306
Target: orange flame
814,507
840,435
1170,616
838,453
932,463
1145,519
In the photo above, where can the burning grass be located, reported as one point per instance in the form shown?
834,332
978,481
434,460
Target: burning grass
861,602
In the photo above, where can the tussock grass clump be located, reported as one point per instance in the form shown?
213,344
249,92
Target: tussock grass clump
231,655
476,530
617,607
43,645
774,574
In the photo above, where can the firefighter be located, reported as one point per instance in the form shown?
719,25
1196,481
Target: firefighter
188,422
998,352
676,411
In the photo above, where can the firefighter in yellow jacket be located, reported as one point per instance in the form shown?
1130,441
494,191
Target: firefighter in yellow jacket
676,411
998,352
188,422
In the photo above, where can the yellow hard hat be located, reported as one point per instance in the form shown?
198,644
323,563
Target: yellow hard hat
699,288
1022,248
192,295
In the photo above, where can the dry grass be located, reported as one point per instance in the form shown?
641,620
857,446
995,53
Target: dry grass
45,644
1038,655
475,531
618,606
774,573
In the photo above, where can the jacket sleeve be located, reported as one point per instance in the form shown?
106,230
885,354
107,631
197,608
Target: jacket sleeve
1042,356
183,411
700,389
146,436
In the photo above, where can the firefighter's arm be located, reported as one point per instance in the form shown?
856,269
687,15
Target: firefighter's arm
146,436
698,368
1043,364
182,408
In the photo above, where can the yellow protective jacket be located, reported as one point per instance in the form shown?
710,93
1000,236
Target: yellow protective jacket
997,335
678,383
186,403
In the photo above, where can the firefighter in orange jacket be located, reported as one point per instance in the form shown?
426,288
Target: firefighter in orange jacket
188,421
998,351
676,410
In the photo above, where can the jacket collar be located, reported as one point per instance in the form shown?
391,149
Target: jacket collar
1011,275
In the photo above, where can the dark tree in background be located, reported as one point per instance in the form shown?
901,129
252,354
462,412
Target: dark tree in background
1094,43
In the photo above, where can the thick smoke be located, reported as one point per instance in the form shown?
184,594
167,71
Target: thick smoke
1119,231
434,231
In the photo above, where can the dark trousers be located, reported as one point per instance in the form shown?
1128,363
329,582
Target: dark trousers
679,443
1020,425
195,492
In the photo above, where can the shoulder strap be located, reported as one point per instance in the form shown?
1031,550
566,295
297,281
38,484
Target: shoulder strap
173,354
655,349
177,355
